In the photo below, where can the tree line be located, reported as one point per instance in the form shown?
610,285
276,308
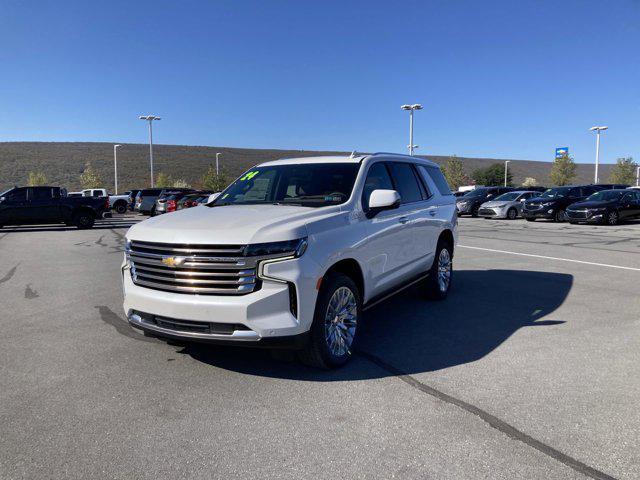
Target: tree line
90,178
563,171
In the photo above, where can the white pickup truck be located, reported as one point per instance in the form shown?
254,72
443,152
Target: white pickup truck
292,253
116,202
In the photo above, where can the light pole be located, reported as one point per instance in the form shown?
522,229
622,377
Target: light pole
217,163
506,169
597,129
411,108
150,119
638,176
115,167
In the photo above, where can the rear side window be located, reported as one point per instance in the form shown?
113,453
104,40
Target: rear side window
377,179
438,178
406,182
40,194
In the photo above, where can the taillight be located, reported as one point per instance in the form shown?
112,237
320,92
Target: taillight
106,204
171,205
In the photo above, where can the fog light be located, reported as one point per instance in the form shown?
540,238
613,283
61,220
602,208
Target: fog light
549,211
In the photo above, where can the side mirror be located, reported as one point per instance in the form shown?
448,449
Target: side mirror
383,200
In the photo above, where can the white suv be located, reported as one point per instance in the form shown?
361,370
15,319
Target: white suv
292,252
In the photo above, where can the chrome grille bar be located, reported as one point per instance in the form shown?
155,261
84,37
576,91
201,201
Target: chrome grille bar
195,269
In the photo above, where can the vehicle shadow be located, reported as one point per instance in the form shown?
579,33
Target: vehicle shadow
484,308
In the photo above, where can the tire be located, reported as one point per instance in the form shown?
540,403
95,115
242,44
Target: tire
512,214
152,213
530,219
120,207
83,220
327,352
560,216
474,211
612,218
438,281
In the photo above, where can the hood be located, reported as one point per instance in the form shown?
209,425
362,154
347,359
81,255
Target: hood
231,224
495,203
592,204
538,200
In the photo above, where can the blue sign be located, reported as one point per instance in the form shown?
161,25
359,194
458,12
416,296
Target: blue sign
562,152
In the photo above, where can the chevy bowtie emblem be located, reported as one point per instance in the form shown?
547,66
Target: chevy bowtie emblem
173,261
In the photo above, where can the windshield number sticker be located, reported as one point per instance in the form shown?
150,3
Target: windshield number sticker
248,176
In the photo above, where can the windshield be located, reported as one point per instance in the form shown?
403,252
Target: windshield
308,185
479,192
5,192
509,197
555,192
605,196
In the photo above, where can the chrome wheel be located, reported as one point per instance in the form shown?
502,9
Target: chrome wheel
444,270
560,216
341,321
612,218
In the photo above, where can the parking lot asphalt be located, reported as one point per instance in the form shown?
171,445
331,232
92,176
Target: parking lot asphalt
530,369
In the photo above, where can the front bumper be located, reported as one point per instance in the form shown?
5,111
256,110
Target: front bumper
464,209
491,212
261,318
585,217
543,212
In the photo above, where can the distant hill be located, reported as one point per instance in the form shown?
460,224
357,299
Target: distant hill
63,162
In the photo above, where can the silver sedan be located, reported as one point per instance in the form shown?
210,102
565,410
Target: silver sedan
508,205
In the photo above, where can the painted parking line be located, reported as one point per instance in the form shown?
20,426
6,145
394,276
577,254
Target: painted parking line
551,258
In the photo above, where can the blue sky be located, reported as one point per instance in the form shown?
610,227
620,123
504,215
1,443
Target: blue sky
508,79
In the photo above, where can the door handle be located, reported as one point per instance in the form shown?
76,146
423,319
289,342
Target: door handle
432,212
403,220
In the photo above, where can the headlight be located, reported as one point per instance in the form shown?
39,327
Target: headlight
462,204
290,247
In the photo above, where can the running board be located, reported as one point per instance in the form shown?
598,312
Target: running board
394,292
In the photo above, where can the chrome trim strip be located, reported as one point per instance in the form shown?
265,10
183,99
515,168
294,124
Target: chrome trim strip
242,289
196,281
176,271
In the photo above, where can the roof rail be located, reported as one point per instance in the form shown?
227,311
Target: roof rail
399,155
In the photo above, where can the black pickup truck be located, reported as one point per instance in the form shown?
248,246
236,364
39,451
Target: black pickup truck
37,205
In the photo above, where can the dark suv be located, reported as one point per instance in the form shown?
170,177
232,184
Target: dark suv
469,204
553,203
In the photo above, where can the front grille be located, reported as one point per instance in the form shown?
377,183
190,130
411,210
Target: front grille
486,212
196,269
577,214
533,207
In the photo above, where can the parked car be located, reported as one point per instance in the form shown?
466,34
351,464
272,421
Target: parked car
116,202
459,194
508,205
146,200
552,204
193,200
38,205
608,207
168,198
470,203
291,254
